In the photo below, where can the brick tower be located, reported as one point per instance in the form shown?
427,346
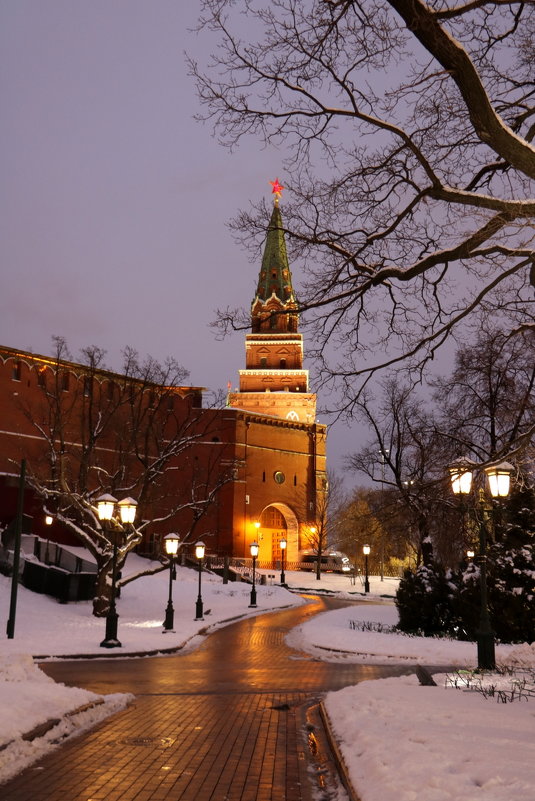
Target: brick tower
274,381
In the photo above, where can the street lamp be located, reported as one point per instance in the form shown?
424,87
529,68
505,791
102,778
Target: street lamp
127,511
317,544
366,551
48,522
499,477
283,545
199,553
254,554
461,473
385,453
499,480
171,543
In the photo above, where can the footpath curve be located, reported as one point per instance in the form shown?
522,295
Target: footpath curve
236,719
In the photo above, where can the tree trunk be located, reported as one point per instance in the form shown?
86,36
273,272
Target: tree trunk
425,542
102,597
318,568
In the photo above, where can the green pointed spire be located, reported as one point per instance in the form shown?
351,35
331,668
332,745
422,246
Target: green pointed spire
275,275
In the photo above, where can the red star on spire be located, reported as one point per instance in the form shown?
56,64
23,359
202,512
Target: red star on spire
277,189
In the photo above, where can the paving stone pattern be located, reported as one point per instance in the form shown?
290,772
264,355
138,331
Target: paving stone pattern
226,722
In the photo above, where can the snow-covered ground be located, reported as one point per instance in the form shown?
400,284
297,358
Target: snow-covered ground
399,740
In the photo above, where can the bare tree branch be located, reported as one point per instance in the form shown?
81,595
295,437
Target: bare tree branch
408,128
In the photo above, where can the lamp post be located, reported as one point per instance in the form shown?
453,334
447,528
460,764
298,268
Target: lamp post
16,554
366,551
283,545
171,543
498,476
254,554
48,522
316,543
199,553
385,453
127,512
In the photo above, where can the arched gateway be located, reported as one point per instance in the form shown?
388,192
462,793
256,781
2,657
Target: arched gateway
278,522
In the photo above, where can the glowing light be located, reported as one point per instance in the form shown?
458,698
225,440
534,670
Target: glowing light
461,475
499,477
106,506
277,189
127,510
171,542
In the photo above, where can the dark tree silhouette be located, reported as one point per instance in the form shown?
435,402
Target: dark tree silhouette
408,129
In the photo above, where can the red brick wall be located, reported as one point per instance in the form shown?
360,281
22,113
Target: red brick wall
254,445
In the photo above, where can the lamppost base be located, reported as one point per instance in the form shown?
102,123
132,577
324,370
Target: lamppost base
252,605
110,640
110,644
366,586
169,621
199,612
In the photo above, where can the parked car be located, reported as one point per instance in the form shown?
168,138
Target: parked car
331,562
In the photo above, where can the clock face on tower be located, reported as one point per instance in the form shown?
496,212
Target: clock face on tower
279,477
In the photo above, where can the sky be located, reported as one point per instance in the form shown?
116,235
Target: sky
399,741
114,201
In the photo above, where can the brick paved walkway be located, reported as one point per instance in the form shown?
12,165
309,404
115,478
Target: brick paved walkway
226,722
207,748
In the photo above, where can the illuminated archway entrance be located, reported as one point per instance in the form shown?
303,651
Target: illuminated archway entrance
278,522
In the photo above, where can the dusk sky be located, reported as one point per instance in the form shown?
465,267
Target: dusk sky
114,201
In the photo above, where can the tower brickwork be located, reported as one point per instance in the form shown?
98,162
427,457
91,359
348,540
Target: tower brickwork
274,381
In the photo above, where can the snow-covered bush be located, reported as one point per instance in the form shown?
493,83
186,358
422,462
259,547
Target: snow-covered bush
426,601
435,600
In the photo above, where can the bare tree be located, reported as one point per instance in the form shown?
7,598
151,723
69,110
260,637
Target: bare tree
406,457
487,404
483,409
326,530
129,434
409,128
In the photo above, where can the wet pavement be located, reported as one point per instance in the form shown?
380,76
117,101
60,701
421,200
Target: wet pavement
232,720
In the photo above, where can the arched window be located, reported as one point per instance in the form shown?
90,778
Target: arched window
16,371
